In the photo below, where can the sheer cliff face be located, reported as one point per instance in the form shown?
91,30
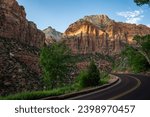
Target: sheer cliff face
100,34
14,25
20,41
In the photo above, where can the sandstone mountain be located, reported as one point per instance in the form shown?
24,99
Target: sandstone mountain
52,35
20,41
13,24
98,33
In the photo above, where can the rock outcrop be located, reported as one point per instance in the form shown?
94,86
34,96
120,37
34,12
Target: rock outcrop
19,68
52,35
98,33
20,41
14,25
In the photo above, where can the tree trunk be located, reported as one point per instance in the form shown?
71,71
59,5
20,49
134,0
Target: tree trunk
145,55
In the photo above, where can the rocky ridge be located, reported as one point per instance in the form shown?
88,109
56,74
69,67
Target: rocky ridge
52,35
100,34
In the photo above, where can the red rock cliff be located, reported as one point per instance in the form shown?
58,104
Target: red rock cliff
14,25
98,33
20,41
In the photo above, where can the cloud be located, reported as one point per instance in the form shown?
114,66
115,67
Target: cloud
132,16
148,25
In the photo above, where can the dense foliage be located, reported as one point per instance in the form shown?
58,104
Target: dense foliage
89,77
56,65
143,46
137,57
142,2
136,61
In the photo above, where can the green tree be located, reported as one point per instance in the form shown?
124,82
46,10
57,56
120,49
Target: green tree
89,77
136,61
143,46
56,64
142,2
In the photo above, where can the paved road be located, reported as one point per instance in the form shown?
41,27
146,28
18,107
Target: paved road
130,87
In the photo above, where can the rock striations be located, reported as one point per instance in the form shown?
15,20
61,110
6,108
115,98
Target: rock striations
14,25
98,33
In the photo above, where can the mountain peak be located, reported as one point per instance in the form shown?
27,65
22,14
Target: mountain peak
100,16
98,33
52,35
98,20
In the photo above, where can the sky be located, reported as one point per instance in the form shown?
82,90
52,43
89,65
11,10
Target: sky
59,14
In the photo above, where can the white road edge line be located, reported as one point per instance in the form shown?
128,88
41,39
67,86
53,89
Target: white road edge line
129,91
73,98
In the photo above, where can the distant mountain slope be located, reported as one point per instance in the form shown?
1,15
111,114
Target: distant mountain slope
52,35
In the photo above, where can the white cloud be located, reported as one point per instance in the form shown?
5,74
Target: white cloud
132,16
148,25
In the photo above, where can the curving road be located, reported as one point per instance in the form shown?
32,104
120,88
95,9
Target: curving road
130,87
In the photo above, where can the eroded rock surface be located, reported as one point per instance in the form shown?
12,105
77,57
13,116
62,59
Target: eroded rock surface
20,41
19,67
98,33
52,35
14,25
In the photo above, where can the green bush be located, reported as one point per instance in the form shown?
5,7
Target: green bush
82,79
104,78
89,77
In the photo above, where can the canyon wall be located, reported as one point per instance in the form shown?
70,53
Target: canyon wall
98,33
14,25
20,42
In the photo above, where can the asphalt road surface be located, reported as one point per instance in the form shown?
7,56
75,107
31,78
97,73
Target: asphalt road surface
130,87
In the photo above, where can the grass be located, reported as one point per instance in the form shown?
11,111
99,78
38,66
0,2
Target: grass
104,78
41,94
55,92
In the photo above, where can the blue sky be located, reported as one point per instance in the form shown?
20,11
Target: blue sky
61,13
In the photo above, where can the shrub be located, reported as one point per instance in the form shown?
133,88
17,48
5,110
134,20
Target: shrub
82,79
89,77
